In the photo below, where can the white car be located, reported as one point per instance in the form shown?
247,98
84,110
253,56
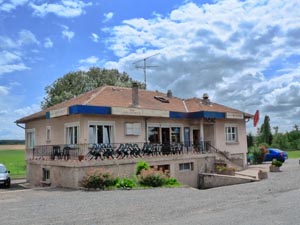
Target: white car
4,176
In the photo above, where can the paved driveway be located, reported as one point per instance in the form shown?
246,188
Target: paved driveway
272,201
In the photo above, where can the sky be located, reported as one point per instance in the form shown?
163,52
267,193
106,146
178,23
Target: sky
244,54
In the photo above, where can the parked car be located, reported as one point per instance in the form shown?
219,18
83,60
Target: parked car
4,176
274,153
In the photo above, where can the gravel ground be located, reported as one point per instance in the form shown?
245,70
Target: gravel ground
271,201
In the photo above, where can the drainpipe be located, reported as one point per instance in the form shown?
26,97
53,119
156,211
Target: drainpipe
146,124
20,126
135,95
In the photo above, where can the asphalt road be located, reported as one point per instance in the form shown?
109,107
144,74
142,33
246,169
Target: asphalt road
272,201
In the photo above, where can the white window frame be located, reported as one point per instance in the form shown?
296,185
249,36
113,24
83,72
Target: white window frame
30,138
231,136
69,125
187,166
102,123
133,129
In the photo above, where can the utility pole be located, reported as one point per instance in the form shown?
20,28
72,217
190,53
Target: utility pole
145,66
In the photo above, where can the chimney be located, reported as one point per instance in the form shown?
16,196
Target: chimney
206,100
135,94
169,94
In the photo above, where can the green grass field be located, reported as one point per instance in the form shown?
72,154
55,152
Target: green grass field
14,160
293,154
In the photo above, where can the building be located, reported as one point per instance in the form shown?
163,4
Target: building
114,117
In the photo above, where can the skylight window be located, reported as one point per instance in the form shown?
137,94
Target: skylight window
162,99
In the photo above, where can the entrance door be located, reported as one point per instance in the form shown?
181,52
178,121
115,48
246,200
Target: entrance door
165,135
208,135
196,137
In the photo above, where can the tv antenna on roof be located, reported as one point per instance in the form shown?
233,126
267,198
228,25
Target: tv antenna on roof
145,66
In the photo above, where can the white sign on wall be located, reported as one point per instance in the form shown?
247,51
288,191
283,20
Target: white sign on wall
59,112
238,116
138,112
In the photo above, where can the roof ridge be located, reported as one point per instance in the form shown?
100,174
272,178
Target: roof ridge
94,95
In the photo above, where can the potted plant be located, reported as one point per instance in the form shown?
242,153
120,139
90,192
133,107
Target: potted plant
262,175
225,170
275,166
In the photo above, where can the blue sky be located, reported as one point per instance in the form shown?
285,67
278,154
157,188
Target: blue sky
244,54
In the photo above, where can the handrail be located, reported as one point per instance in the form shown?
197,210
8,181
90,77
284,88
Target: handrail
219,151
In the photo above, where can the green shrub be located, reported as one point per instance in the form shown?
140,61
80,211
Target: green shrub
152,178
98,178
125,183
141,165
276,162
259,154
171,181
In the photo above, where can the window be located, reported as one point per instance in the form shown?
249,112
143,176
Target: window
161,99
133,128
30,138
153,134
48,133
165,133
100,134
72,133
46,174
231,134
186,166
175,134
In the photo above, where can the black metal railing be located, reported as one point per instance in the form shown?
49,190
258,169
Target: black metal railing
114,150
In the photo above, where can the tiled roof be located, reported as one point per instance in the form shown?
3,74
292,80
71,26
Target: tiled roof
122,97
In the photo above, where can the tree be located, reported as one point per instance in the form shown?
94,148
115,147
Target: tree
265,132
250,141
75,83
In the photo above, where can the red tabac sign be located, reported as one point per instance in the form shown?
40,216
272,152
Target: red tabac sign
256,118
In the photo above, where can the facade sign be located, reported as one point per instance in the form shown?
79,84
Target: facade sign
238,116
59,112
138,112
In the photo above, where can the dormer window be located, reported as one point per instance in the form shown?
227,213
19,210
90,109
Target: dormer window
162,99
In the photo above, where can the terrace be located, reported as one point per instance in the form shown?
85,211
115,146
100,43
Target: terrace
115,151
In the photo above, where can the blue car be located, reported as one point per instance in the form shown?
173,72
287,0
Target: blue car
274,153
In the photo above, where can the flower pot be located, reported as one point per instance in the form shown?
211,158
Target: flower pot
262,175
81,157
274,168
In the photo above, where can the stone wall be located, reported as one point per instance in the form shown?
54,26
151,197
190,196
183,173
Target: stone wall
69,173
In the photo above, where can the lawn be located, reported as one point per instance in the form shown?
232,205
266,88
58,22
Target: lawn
293,154
14,160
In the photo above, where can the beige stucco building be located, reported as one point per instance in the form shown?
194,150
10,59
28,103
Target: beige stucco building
112,116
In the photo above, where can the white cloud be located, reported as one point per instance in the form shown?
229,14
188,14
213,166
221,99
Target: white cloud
13,51
66,8
27,110
10,5
89,60
10,62
4,90
48,43
94,37
66,33
107,17
242,53
25,38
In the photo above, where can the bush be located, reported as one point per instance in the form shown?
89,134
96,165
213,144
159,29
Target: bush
98,178
259,154
125,183
152,178
276,162
141,165
172,182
